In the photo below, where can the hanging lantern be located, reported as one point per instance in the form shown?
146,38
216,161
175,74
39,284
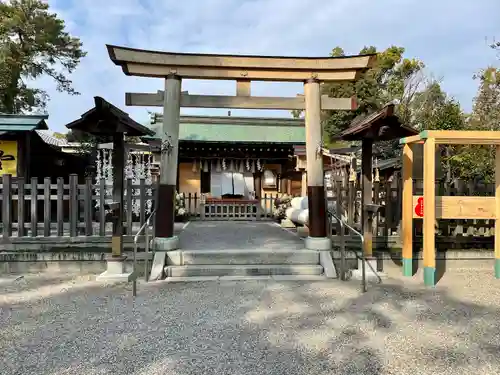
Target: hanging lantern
194,169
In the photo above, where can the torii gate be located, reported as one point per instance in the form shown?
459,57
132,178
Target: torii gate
173,67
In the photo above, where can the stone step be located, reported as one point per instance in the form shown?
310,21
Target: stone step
242,257
242,270
187,279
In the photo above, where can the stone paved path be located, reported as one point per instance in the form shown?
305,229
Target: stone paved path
243,235
57,324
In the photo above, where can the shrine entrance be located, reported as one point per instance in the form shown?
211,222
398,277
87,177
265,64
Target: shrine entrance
244,70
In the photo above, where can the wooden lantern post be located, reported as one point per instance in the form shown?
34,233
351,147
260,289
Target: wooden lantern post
383,125
107,120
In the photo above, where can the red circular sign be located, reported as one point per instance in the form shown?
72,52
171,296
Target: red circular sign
419,208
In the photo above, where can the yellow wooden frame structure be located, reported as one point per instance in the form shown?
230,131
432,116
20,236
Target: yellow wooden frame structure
446,207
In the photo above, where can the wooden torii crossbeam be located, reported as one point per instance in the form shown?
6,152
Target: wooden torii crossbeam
244,69
238,102
429,207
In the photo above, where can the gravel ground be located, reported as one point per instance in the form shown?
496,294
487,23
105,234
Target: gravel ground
59,324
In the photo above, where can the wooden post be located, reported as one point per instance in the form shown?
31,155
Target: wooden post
407,219
497,213
7,206
34,206
47,203
429,212
367,192
303,191
257,183
169,156
21,206
60,207
118,176
314,163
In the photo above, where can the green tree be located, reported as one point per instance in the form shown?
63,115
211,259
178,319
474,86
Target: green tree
33,43
478,161
392,78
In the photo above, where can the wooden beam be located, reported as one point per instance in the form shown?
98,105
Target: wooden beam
408,205
238,102
497,212
123,55
462,137
243,87
429,240
161,71
460,207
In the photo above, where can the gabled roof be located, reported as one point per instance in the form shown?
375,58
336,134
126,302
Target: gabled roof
20,123
236,129
379,126
105,118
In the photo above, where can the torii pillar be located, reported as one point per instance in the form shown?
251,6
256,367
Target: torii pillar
318,238
165,239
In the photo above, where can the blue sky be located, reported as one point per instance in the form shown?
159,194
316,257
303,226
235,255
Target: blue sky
449,36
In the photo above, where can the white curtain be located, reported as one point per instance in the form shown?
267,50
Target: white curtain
249,186
216,184
239,184
226,183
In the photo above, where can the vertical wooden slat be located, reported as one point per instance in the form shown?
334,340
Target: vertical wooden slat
34,204
60,206
7,206
142,202
497,213
376,200
20,206
46,207
102,209
129,205
338,208
388,209
429,241
73,205
407,219
88,206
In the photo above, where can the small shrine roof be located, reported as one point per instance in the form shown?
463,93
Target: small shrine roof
105,118
382,125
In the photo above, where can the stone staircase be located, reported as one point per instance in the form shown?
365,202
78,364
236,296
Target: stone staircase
201,265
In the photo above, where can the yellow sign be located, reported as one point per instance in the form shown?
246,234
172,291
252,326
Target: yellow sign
8,158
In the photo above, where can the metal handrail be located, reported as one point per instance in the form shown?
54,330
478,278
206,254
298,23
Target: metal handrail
342,251
144,228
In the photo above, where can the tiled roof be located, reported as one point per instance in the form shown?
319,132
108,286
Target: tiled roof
238,129
22,122
48,138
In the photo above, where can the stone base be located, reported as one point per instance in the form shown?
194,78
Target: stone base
159,263
371,272
302,232
287,223
165,243
318,243
325,259
115,270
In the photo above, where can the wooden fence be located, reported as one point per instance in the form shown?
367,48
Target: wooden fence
57,208
67,209
346,197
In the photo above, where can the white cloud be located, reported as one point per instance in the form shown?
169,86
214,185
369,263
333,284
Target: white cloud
448,36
